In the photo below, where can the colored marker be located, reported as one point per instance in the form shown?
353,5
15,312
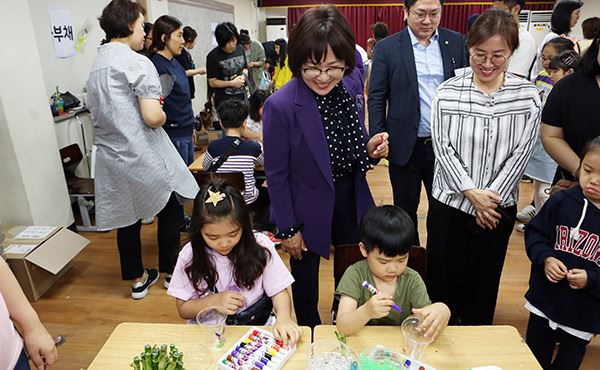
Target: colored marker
268,341
260,350
230,364
373,290
258,333
256,357
245,360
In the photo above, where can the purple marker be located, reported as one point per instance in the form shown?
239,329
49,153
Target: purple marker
371,288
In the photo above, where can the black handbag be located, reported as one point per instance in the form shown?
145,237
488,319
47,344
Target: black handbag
70,100
257,314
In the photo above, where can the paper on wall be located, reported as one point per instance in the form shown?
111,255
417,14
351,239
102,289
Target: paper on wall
61,30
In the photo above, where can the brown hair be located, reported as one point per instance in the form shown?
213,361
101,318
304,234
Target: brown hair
118,17
491,23
318,28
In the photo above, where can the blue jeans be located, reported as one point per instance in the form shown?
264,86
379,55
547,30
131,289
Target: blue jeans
22,363
185,148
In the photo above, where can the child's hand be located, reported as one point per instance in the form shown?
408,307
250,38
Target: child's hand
435,319
577,278
40,346
379,305
230,301
287,331
554,269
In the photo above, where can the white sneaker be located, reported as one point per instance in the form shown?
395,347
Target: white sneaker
526,214
167,280
147,221
521,228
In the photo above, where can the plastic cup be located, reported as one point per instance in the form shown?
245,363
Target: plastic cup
212,320
380,358
330,355
415,342
199,357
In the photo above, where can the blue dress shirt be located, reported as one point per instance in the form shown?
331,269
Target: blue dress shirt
430,74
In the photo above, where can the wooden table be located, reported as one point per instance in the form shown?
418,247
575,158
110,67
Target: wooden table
458,347
129,339
197,165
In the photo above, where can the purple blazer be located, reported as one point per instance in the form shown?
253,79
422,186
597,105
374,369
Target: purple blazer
297,162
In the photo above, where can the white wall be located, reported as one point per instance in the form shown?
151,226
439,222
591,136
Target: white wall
263,14
32,183
72,73
156,8
245,16
591,8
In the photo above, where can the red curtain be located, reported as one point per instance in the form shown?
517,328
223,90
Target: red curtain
361,18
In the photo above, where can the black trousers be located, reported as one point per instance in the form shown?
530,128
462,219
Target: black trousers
260,211
130,244
344,230
541,339
464,262
406,180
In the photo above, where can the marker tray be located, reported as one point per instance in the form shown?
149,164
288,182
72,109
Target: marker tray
256,349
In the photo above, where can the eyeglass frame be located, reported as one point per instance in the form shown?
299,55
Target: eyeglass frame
435,15
321,71
491,58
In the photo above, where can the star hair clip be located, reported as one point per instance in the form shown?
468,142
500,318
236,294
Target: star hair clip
214,197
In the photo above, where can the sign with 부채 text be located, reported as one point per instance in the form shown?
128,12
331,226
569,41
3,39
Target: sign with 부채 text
61,30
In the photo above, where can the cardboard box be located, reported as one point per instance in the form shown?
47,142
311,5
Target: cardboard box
40,256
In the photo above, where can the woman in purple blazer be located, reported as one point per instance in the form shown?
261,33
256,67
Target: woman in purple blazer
317,151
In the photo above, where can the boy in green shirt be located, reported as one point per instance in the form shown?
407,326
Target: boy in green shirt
387,234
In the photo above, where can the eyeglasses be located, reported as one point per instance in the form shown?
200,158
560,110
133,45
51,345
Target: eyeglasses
331,72
496,60
420,16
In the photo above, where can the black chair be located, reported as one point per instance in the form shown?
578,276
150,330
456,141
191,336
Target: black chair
81,190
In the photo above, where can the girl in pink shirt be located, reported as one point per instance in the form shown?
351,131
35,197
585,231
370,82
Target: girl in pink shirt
228,266
14,307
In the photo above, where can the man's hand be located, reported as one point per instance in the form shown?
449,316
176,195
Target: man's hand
238,82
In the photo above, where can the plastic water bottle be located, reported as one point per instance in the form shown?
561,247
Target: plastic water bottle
60,103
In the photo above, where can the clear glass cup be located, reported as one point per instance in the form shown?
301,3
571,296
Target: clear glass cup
330,355
415,342
212,320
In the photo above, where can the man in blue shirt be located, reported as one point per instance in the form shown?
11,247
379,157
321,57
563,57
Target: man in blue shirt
407,68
